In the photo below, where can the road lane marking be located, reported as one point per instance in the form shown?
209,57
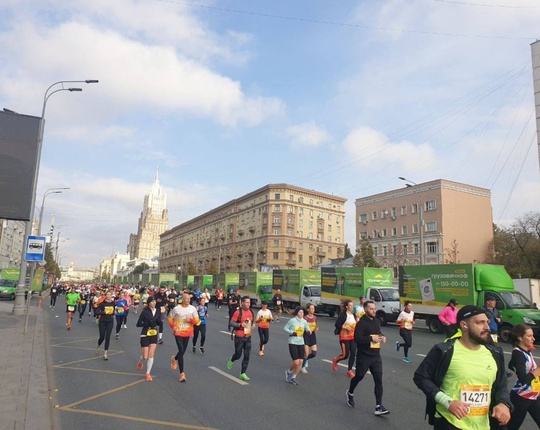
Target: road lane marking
131,418
232,378
74,341
97,357
342,365
85,369
105,393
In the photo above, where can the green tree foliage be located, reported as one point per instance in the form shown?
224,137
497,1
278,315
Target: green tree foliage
50,265
452,253
364,255
212,269
140,268
348,253
518,247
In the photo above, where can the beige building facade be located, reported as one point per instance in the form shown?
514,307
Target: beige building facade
456,218
278,225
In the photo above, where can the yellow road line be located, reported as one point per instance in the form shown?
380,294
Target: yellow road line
97,396
74,347
97,357
85,339
141,420
85,369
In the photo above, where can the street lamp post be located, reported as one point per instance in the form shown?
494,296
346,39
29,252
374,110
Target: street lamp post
47,193
19,307
420,219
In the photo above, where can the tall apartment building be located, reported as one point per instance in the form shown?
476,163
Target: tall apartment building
11,242
278,225
456,220
153,221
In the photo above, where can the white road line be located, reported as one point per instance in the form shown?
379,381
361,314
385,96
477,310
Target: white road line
232,378
342,365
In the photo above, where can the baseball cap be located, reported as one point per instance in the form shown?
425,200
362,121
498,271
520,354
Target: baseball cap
362,297
453,301
298,309
150,299
469,311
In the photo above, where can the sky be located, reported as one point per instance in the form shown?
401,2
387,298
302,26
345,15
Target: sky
224,97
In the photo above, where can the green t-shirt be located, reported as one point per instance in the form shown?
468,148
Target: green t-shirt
71,299
469,378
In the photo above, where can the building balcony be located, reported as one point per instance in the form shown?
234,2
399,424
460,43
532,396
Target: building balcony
290,262
291,249
321,253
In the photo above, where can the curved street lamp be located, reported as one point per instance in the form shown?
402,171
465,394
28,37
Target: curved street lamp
47,193
19,305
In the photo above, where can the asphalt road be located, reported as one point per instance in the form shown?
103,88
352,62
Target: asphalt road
89,392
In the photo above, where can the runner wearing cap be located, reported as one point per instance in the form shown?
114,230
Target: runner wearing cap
263,319
448,317
464,378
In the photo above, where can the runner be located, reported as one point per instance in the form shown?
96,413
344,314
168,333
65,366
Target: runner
119,311
161,303
263,320
83,302
136,300
127,297
171,301
242,322
105,312
202,310
220,295
277,300
359,309
345,325
232,303
98,298
405,321
54,295
310,339
72,300
149,319
206,296
296,327
182,319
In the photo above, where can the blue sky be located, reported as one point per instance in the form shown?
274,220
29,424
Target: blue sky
225,97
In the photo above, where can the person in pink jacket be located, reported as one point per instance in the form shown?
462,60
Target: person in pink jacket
448,317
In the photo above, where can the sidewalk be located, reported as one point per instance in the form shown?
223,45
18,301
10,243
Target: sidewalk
24,388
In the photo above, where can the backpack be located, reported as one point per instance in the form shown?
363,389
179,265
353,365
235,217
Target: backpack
240,315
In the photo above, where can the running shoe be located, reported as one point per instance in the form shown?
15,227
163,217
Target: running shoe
80,320
69,327
174,364
148,377
350,374
98,349
294,381
160,341
334,364
139,365
261,353
381,410
229,364
182,377
397,346
244,377
406,359
303,370
105,357
288,376
116,336
350,399
201,349
194,349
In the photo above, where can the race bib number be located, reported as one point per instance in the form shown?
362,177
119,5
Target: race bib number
299,331
278,302
247,330
495,337
535,385
151,332
119,310
83,302
407,325
479,398
109,310
163,309
71,308
374,344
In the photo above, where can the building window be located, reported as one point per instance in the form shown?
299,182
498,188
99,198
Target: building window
415,228
430,206
416,248
301,200
277,208
431,226
277,220
289,232
363,218
329,227
431,247
310,247
394,250
376,251
329,238
383,232
276,243
374,234
276,255
393,212
301,223
291,198
404,249
385,251
277,196
414,208
384,214
301,211
300,258
311,213
300,234
300,246
374,216
338,229
310,236
320,236
290,209
311,202
276,231
329,250
403,210
329,217
363,235
290,221
394,231
404,230
311,224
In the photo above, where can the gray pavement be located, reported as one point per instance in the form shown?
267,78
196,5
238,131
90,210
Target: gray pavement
24,387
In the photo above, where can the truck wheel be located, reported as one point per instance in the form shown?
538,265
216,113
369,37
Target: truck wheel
332,313
12,297
504,333
382,318
434,325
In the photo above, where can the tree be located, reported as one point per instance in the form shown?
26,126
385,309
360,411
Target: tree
140,268
212,269
364,255
348,253
452,253
50,265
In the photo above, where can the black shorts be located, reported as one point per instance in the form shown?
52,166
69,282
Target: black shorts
310,339
147,340
296,351
73,306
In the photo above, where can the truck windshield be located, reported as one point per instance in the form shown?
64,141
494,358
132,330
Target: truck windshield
516,300
389,294
6,283
265,289
315,291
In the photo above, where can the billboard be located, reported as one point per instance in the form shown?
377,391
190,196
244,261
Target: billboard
19,136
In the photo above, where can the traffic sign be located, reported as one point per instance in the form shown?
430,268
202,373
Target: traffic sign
35,248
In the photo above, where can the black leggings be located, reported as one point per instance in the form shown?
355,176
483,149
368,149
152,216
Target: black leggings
264,335
201,328
348,350
407,338
82,310
372,363
53,300
242,344
119,319
181,344
521,407
105,330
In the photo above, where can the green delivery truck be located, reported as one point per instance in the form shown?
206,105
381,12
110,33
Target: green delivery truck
227,281
339,283
430,288
298,287
256,285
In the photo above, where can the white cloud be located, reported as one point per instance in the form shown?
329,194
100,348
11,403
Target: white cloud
307,135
